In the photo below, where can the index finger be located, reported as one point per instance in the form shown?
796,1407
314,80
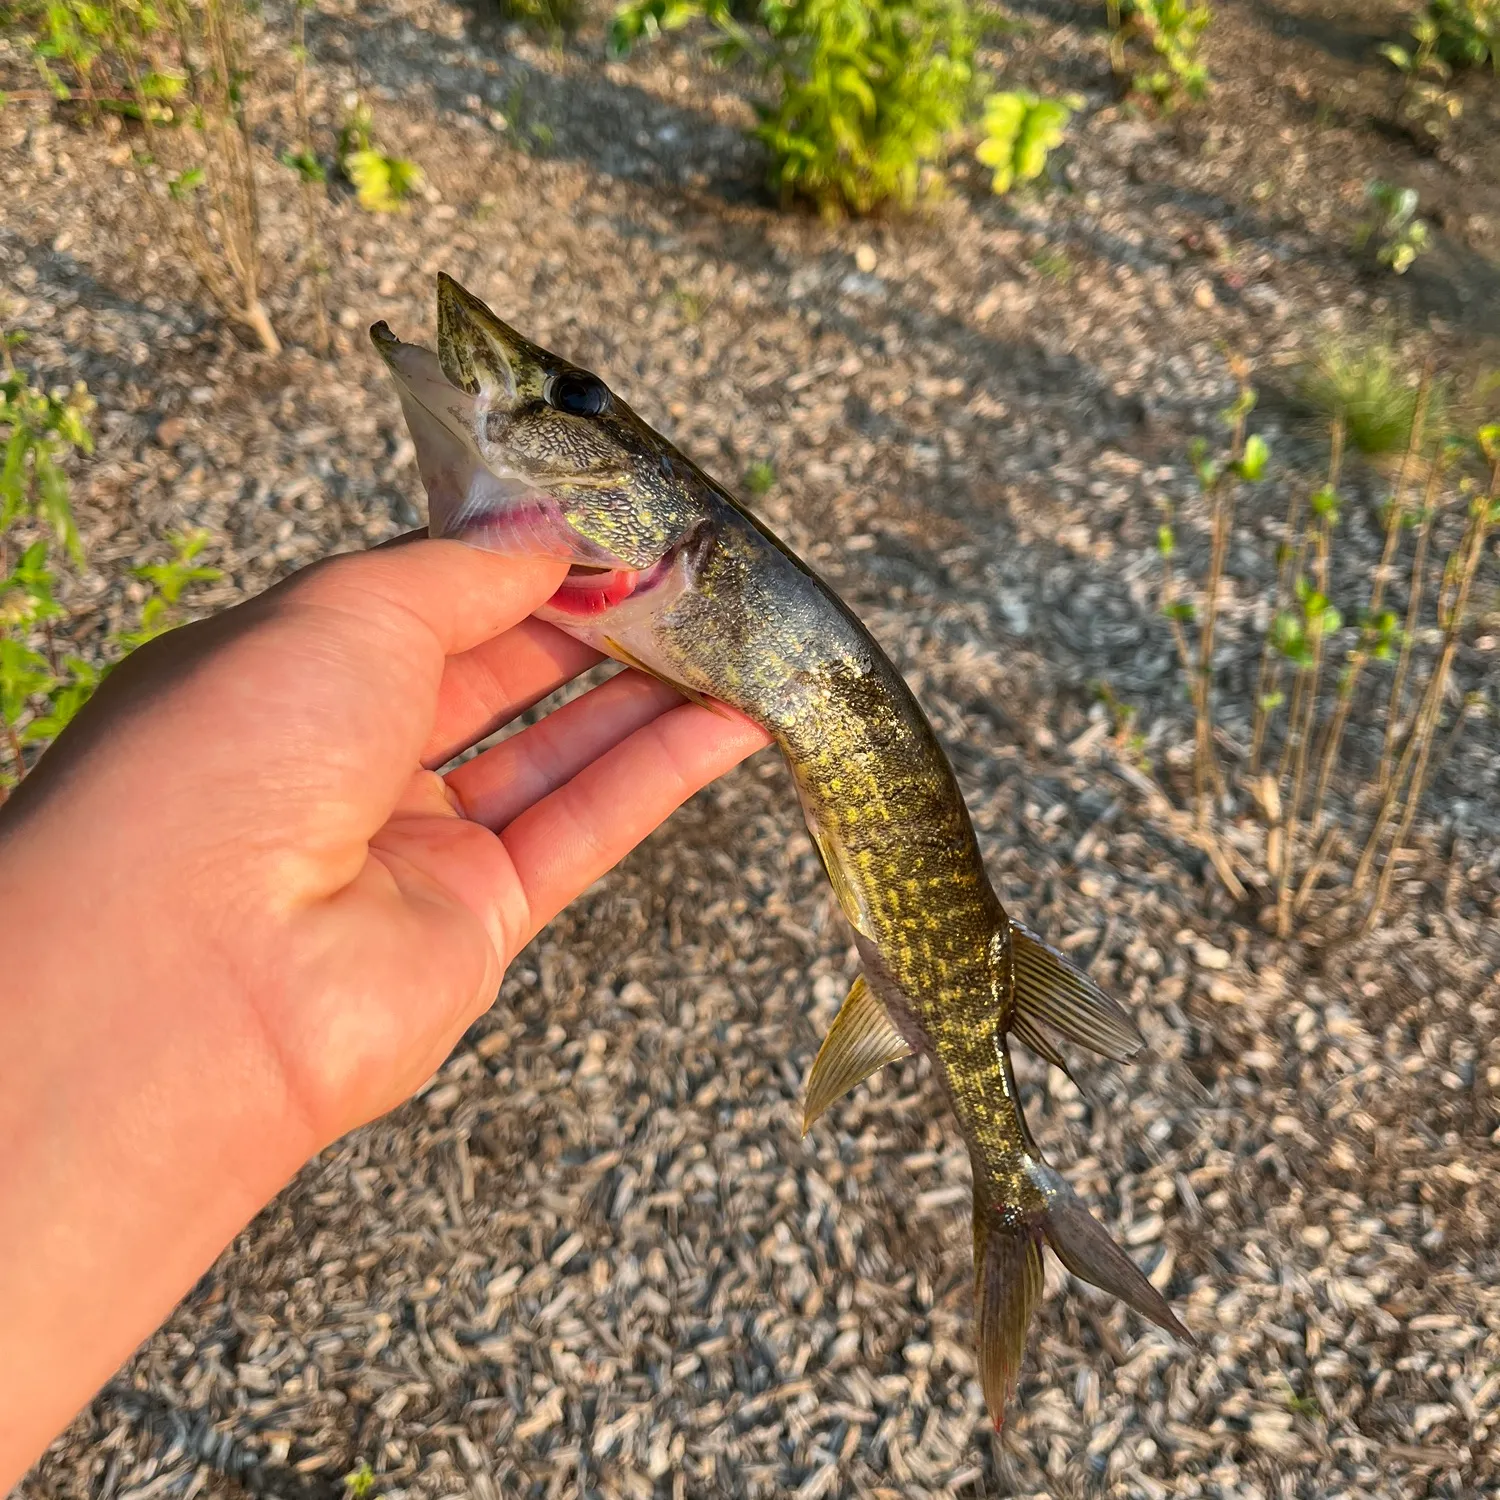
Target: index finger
458,595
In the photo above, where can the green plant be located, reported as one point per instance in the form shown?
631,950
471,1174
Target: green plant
1315,675
1468,31
760,478
41,686
869,93
1153,48
1424,108
41,430
1394,231
360,1481
1363,384
1053,263
180,71
553,18
96,55
1019,130
382,183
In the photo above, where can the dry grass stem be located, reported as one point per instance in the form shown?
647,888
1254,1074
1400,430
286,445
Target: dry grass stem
1208,780
1358,658
1425,520
313,256
1305,705
1452,610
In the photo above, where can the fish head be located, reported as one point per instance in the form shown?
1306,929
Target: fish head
521,451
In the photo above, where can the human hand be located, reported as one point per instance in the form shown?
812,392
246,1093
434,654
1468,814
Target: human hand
254,915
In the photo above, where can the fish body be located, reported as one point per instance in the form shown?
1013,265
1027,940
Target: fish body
523,452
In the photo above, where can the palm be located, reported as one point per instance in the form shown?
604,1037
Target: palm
377,901
458,872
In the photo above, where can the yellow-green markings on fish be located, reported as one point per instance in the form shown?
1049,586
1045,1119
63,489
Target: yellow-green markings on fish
524,452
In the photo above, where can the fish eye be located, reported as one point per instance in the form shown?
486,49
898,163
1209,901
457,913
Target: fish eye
578,393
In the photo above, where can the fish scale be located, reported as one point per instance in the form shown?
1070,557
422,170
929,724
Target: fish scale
523,452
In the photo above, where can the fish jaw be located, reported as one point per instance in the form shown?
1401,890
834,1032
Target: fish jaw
468,496
523,452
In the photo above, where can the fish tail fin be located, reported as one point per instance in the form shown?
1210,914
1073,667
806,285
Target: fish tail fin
1084,1246
1008,1279
1007,1287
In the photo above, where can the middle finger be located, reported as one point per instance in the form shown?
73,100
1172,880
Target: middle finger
487,686
503,782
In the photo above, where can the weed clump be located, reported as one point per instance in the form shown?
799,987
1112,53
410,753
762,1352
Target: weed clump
869,96
1372,395
1153,49
1318,657
181,73
42,685
1468,31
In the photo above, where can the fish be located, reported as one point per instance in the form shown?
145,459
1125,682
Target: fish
524,452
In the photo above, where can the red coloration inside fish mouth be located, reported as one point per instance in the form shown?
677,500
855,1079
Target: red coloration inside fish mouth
591,591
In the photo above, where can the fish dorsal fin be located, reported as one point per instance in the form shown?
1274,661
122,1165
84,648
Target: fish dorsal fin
1008,1282
1046,987
861,1041
1034,1039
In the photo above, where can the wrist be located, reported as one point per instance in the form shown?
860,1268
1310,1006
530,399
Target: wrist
143,1122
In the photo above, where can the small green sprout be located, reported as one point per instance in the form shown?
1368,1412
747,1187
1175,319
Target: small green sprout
760,478
1396,233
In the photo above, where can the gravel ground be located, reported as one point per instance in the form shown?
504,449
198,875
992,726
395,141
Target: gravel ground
595,1257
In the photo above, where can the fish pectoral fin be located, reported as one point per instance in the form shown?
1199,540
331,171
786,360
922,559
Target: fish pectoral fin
861,1041
1007,1287
622,654
1049,988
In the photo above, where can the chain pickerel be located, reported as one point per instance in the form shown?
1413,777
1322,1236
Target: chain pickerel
523,452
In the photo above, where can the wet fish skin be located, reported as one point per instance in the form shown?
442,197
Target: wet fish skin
524,452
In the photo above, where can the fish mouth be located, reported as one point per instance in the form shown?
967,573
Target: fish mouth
470,497
589,590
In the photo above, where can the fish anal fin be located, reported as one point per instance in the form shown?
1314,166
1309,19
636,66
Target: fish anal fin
630,659
1007,1287
1084,1246
1047,987
861,1041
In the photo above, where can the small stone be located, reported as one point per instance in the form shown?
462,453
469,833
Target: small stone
865,258
1206,956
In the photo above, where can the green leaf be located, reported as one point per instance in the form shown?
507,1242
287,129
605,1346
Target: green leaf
184,184
1257,454
24,675
1324,503
382,183
305,164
